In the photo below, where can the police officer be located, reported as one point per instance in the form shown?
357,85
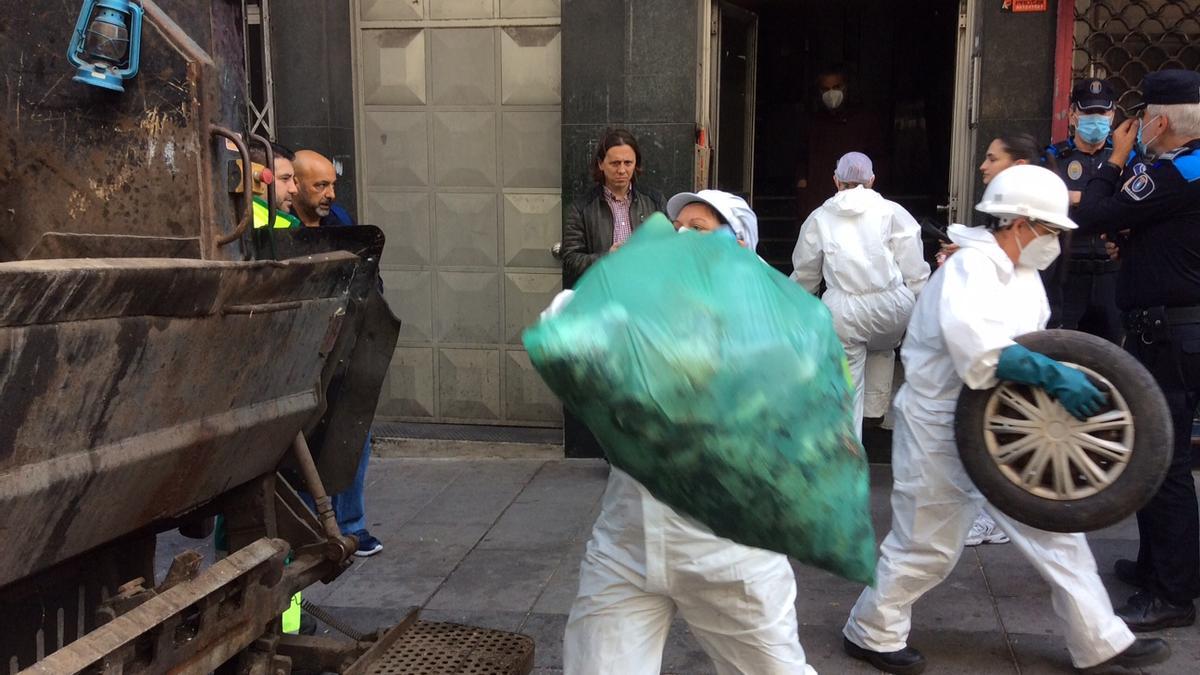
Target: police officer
1158,287
1085,279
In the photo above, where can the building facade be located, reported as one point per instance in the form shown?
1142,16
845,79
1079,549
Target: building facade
463,127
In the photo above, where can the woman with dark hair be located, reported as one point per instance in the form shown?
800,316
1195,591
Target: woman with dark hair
606,216
1009,150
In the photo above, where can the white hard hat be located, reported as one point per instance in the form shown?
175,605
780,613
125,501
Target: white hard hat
1031,191
733,209
854,167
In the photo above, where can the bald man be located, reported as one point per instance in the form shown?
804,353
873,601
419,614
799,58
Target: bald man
315,181
313,205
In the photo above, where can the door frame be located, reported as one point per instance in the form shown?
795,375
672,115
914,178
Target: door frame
965,122
713,72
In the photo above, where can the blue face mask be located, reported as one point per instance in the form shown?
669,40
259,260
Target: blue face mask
1143,146
1093,128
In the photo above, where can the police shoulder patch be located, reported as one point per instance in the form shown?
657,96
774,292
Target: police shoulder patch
1140,186
1188,167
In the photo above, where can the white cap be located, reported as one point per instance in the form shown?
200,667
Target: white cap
1031,191
732,208
854,167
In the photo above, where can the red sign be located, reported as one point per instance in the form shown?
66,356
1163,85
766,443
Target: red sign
1022,6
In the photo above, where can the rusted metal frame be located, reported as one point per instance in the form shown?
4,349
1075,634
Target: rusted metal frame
201,73
384,643
250,512
308,469
270,153
295,522
269,234
247,185
316,653
262,308
194,626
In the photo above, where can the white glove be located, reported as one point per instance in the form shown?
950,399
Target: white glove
557,304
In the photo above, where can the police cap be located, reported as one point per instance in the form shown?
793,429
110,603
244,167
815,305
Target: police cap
1169,87
1093,94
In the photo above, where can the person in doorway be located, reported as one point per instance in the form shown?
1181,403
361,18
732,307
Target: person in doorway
645,561
603,219
314,206
839,123
1088,277
962,332
316,179
868,252
1158,287
284,179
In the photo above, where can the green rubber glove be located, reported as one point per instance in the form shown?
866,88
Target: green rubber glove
1069,386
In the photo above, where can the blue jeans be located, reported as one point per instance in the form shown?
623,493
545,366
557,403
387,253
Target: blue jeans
349,505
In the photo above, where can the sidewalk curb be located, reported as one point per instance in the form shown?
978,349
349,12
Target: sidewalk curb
424,448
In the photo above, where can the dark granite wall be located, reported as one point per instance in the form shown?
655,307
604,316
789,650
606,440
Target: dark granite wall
628,63
1016,75
311,53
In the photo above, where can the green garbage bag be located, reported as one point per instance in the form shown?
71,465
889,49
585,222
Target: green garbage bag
720,385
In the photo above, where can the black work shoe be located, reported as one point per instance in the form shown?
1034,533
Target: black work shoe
1127,572
1143,652
907,661
1146,612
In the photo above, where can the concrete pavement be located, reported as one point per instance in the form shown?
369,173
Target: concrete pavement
497,543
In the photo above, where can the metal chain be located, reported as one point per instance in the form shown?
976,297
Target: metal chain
1122,40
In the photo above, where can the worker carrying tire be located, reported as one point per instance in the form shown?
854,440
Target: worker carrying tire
962,331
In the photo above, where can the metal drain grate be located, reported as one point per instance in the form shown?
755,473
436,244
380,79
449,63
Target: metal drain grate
430,648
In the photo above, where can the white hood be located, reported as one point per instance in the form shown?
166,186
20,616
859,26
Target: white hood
854,201
859,243
981,239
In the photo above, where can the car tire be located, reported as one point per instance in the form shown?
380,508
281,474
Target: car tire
1040,466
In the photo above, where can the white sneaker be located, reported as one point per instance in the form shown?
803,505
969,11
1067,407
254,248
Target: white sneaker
985,531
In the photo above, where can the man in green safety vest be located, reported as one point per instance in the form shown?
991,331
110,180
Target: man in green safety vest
284,178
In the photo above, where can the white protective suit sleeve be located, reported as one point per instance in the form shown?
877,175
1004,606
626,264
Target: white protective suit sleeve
974,329
904,242
808,258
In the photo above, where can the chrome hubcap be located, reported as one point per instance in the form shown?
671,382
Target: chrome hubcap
1040,447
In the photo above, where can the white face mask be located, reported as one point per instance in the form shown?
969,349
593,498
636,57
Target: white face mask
833,98
1040,252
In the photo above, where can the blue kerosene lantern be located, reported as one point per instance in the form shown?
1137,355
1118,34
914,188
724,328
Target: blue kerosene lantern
106,43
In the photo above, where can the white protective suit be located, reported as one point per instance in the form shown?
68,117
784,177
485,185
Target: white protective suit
970,311
868,251
645,562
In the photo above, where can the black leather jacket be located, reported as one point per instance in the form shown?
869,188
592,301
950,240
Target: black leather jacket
588,228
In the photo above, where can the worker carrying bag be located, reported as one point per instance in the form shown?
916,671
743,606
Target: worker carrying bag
721,386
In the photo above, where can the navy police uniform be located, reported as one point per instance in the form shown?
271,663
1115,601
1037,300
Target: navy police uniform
1085,281
1089,280
1158,289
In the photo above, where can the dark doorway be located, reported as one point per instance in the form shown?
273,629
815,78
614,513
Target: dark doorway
899,58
